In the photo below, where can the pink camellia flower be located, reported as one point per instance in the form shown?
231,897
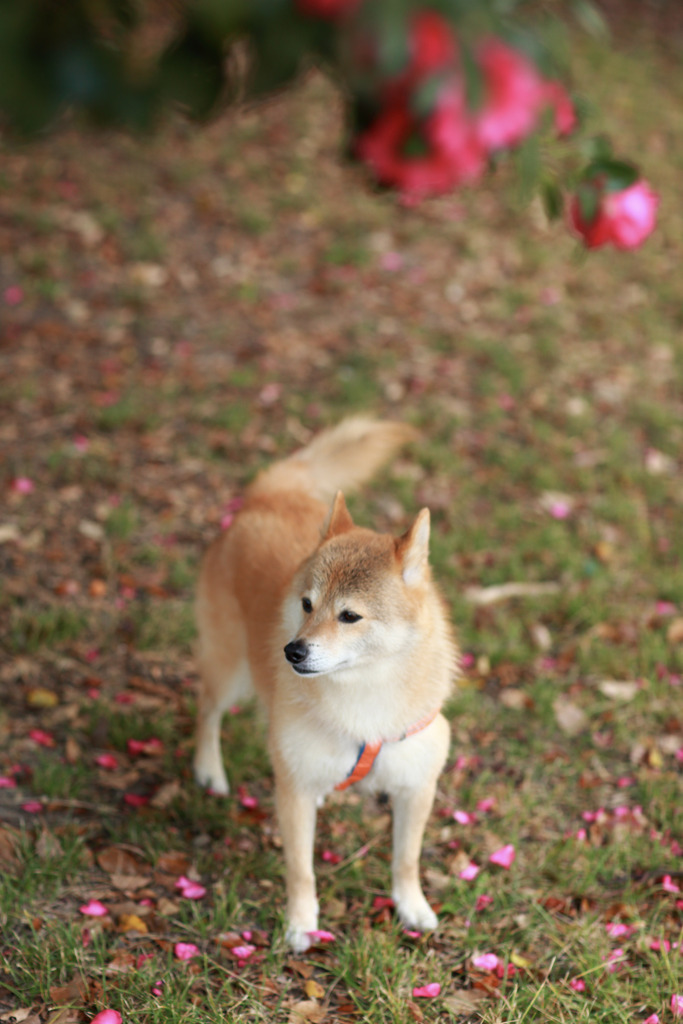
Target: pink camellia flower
623,218
515,94
432,44
94,908
668,885
185,950
430,991
504,857
107,1017
557,97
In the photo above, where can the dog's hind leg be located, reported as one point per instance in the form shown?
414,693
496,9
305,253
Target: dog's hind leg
224,680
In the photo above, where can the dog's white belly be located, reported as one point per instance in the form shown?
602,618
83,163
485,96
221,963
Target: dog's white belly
317,759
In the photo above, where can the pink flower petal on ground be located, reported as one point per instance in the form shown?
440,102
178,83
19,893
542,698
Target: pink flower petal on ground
6,782
247,801
150,746
185,950
42,738
32,807
22,485
14,295
464,818
244,951
625,781
107,1017
93,908
668,885
430,991
380,902
391,261
157,987
560,509
485,961
677,1005
135,799
618,930
470,872
503,857
660,945
613,960
107,761
483,901
330,857
189,889
652,1019
319,935
486,805
577,984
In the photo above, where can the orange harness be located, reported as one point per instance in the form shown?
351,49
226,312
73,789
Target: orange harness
367,755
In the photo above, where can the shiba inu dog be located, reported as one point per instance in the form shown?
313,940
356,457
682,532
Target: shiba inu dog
346,640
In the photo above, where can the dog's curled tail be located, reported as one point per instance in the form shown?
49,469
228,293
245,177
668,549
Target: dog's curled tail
338,459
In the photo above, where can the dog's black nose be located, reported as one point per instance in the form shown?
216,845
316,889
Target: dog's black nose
296,651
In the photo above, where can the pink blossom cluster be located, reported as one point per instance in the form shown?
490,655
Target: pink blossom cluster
430,153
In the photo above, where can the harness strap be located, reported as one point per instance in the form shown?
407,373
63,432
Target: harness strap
367,755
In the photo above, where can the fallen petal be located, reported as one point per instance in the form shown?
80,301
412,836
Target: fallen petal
93,909
577,984
470,872
429,991
185,950
677,1005
107,1017
485,961
503,857
321,936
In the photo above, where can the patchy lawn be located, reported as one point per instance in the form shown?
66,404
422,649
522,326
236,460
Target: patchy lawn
177,310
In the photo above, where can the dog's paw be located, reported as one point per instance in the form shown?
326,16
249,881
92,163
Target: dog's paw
298,939
415,912
212,778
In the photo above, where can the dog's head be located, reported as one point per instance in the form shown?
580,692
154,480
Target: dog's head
357,598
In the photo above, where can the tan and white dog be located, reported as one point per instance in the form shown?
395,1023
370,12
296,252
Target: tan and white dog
346,640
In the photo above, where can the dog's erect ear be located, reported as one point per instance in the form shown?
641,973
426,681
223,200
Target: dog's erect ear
338,518
412,549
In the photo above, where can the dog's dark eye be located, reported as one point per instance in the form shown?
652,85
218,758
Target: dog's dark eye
307,605
347,616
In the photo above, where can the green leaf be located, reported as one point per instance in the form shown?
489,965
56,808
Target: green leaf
616,175
591,19
588,196
553,199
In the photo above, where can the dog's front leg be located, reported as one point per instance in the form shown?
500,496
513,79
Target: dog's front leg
411,811
296,810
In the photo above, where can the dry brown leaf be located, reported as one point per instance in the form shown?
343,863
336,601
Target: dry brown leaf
131,923
616,690
23,1015
507,591
314,989
166,794
48,846
464,1000
118,861
569,716
75,991
129,882
674,633
306,1009
9,841
174,862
